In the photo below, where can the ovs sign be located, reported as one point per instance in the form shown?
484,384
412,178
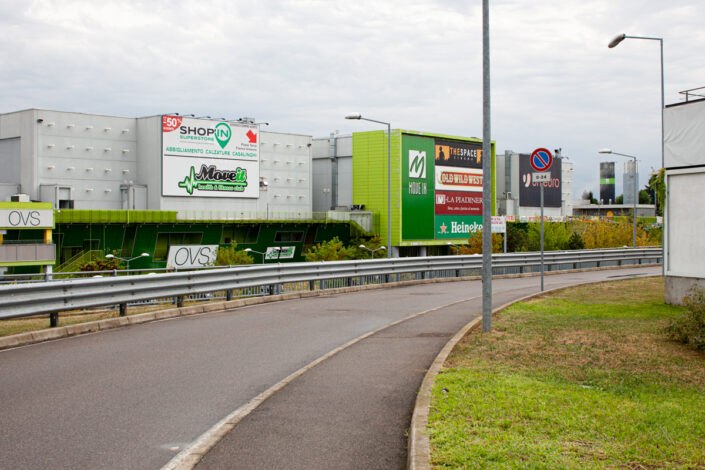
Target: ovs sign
191,256
26,218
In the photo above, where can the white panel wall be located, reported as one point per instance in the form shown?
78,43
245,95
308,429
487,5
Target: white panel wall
684,128
685,243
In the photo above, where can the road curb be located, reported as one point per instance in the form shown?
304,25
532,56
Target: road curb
51,334
418,457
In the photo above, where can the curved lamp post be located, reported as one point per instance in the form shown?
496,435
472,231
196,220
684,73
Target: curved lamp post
636,189
126,260
372,252
250,250
359,117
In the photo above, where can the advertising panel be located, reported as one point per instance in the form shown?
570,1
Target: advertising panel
529,190
606,182
191,256
26,218
207,158
441,196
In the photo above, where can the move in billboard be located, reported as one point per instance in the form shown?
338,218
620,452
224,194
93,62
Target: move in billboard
441,196
207,158
530,191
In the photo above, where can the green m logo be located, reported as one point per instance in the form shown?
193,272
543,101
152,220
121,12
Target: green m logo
223,134
417,164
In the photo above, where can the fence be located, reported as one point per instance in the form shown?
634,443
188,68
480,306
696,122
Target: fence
50,297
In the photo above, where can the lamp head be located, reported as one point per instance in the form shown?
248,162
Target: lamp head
144,254
353,116
247,250
604,151
110,256
617,39
363,246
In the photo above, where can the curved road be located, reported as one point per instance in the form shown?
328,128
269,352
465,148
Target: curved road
134,397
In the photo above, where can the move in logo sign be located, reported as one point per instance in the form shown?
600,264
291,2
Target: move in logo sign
417,164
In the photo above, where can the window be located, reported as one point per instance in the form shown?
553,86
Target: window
289,236
165,240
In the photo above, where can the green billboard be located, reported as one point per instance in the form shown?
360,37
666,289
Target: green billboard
436,185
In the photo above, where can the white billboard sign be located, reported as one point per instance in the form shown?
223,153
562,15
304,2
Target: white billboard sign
207,158
191,256
499,224
451,178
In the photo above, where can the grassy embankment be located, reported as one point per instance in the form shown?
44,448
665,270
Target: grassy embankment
581,379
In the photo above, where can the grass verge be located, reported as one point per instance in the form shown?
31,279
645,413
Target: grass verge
581,379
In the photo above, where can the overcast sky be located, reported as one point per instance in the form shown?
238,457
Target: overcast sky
301,65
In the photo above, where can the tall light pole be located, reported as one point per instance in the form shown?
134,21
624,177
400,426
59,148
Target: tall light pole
636,190
614,43
359,117
486,175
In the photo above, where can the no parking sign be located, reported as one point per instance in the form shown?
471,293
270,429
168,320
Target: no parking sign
541,159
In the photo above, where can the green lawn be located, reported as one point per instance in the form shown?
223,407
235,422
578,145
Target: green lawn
581,379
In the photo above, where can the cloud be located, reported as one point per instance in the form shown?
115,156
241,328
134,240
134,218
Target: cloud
302,65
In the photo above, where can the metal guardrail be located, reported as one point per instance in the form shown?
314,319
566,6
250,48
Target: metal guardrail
51,297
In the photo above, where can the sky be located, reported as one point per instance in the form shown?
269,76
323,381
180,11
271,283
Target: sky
302,65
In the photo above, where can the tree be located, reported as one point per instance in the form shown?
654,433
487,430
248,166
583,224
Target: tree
657,187
619,199
556,236
331,250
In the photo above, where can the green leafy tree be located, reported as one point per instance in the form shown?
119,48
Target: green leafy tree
657,187
331,250
556,236
517,237
230,256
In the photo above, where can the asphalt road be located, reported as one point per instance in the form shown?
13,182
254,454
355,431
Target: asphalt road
132,398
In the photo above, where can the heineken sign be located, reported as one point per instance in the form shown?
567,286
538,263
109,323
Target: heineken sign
207,158
442,189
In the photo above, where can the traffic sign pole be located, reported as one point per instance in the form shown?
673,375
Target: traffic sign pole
541,160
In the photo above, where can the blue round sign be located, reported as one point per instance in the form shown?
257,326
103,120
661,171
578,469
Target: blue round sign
541,159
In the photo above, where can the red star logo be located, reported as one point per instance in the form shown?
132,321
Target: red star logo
443,228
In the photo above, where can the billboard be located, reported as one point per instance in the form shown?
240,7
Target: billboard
208,158
441,188
606,182
529,190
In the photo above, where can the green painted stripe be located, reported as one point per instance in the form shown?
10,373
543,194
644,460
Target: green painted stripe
606,180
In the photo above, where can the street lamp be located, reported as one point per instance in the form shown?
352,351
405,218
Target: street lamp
636,189
126,260
250,250
457,248
372,252
359,117
613,43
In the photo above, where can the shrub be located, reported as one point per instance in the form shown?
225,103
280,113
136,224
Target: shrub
102,264
474,245
555,236
517,237
230,255
689,328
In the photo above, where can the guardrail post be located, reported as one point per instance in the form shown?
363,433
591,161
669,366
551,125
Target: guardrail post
311,285
114,272
54,319
180,301
123,309
229,294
